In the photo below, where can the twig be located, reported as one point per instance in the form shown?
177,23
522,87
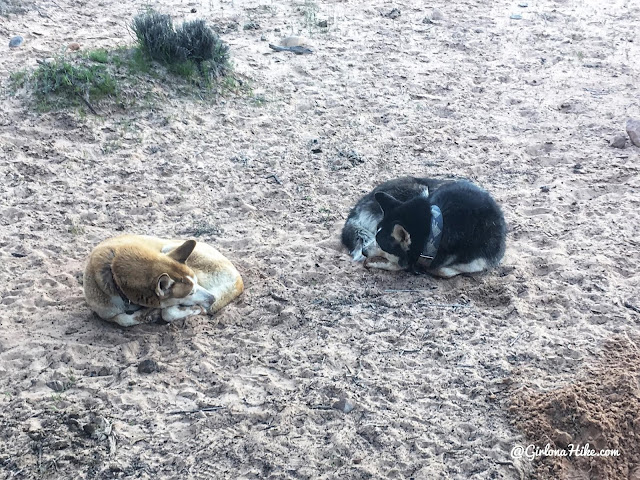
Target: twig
448,305
404,352
407,290
203,409
513,342
632,307
86,102
275,177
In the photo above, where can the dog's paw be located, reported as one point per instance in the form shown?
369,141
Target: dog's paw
178,312
152,315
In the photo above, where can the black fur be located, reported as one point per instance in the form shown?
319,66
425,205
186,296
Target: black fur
473,226
360,228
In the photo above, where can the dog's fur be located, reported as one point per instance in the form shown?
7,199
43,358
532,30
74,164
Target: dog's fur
473,232
359,231
133,279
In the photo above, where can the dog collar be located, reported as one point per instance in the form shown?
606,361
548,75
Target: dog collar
430,249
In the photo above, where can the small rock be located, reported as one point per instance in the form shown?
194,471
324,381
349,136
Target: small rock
323,24
393,14
263,38
436,15
60,445
544,189
98,428
562,439
16,41
251,26
343,405
189,393
516,16
18,255
34,429
193,10
633,130
618,141
74,47
56,385
148,366
293,42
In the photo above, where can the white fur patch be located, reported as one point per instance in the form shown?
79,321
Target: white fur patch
475,266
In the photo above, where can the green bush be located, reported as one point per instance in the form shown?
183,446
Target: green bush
192,43
156,36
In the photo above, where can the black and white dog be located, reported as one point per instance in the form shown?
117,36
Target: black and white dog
443,227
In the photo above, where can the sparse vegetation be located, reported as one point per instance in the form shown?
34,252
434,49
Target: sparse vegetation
14,6
192,52
193,48
62,81
100,55
310,13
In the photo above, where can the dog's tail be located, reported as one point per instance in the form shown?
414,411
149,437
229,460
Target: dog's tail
356,240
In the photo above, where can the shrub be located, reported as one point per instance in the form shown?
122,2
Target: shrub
192,43
156,36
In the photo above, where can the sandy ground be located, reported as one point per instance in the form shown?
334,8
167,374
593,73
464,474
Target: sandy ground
523,107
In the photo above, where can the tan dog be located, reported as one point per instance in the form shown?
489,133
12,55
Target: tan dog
132,279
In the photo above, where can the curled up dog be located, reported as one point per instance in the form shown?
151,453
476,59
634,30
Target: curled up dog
444,229
133,279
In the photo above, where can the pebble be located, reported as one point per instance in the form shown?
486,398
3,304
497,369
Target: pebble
393,14
516,16
56,385
436,15
633,130
293,42
189,393
193,10
74,47
148,366
562,439
618,141
344,405
251,26
323,24
16,41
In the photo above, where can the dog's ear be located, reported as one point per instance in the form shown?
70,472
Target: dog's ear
387,202
163,287
181,253
401,236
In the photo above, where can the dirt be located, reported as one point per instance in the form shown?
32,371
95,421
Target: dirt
599,409
524,108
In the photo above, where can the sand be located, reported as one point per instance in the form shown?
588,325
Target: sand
599,409
524,108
